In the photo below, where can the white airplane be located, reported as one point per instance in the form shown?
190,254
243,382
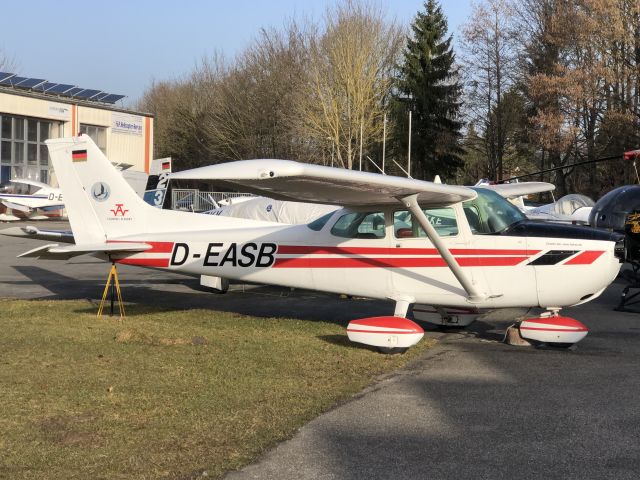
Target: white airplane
28,197
573,208
361,249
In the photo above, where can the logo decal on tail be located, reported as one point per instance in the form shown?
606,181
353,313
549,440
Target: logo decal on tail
100,191
119,210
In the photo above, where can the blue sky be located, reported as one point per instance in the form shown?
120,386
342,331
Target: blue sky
121,46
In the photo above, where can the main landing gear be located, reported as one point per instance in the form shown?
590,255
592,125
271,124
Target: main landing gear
391,335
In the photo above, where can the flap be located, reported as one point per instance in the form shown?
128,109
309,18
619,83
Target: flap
302,182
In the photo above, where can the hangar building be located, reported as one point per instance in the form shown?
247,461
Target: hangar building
33,110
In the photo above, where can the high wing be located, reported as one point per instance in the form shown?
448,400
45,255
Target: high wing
301,182
58,252
513,190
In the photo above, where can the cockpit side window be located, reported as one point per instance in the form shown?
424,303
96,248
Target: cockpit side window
442,219
369,225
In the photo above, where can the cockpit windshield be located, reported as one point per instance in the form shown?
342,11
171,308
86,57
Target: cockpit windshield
490,213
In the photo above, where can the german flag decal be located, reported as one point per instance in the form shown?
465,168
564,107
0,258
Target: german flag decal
79,155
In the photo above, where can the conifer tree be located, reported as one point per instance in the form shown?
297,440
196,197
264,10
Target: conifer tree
428,85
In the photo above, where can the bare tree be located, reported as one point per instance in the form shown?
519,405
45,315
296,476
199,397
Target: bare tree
490,70
348,79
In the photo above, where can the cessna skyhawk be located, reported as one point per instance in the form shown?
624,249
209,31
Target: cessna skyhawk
28,197
404,240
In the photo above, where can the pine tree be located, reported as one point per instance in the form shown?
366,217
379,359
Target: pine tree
428,85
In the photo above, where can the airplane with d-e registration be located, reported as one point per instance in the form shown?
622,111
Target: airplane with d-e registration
450,252
31,199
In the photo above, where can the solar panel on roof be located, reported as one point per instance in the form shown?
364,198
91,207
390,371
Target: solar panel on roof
60,88
15,80
45,86
73,91
5,75
112,98
31,82
86,94
64,89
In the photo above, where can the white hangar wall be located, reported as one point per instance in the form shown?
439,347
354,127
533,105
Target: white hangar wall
27,119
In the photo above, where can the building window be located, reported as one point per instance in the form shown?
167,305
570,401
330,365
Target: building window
23,153
97,134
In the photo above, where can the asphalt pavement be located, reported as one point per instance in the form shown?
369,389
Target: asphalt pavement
471,407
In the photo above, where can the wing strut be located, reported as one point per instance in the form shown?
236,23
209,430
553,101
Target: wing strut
411,202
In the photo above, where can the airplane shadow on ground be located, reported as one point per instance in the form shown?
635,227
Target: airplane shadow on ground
176,294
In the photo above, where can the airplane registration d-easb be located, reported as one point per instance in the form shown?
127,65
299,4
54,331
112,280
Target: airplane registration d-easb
450,251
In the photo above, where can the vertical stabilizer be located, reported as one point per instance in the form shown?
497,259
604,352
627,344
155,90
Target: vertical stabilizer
100,203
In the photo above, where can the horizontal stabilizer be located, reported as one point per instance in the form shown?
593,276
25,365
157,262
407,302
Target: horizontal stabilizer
38,234
55,251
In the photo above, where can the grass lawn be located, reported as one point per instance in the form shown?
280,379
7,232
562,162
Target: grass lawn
163,394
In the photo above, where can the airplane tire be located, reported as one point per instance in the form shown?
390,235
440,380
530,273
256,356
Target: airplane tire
392,350
225,286
218,291
560,345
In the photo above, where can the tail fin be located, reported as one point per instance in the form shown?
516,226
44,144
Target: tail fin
158,182
99,201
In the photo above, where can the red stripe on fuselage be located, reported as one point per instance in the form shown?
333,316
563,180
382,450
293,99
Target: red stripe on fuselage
405,262
585,258
145,262
321,250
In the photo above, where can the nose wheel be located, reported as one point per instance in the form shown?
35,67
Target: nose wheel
550,328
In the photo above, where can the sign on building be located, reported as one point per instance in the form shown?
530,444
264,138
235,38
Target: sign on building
60,110
125,123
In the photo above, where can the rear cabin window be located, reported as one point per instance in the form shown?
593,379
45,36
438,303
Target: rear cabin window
368,225
319,223
442,219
